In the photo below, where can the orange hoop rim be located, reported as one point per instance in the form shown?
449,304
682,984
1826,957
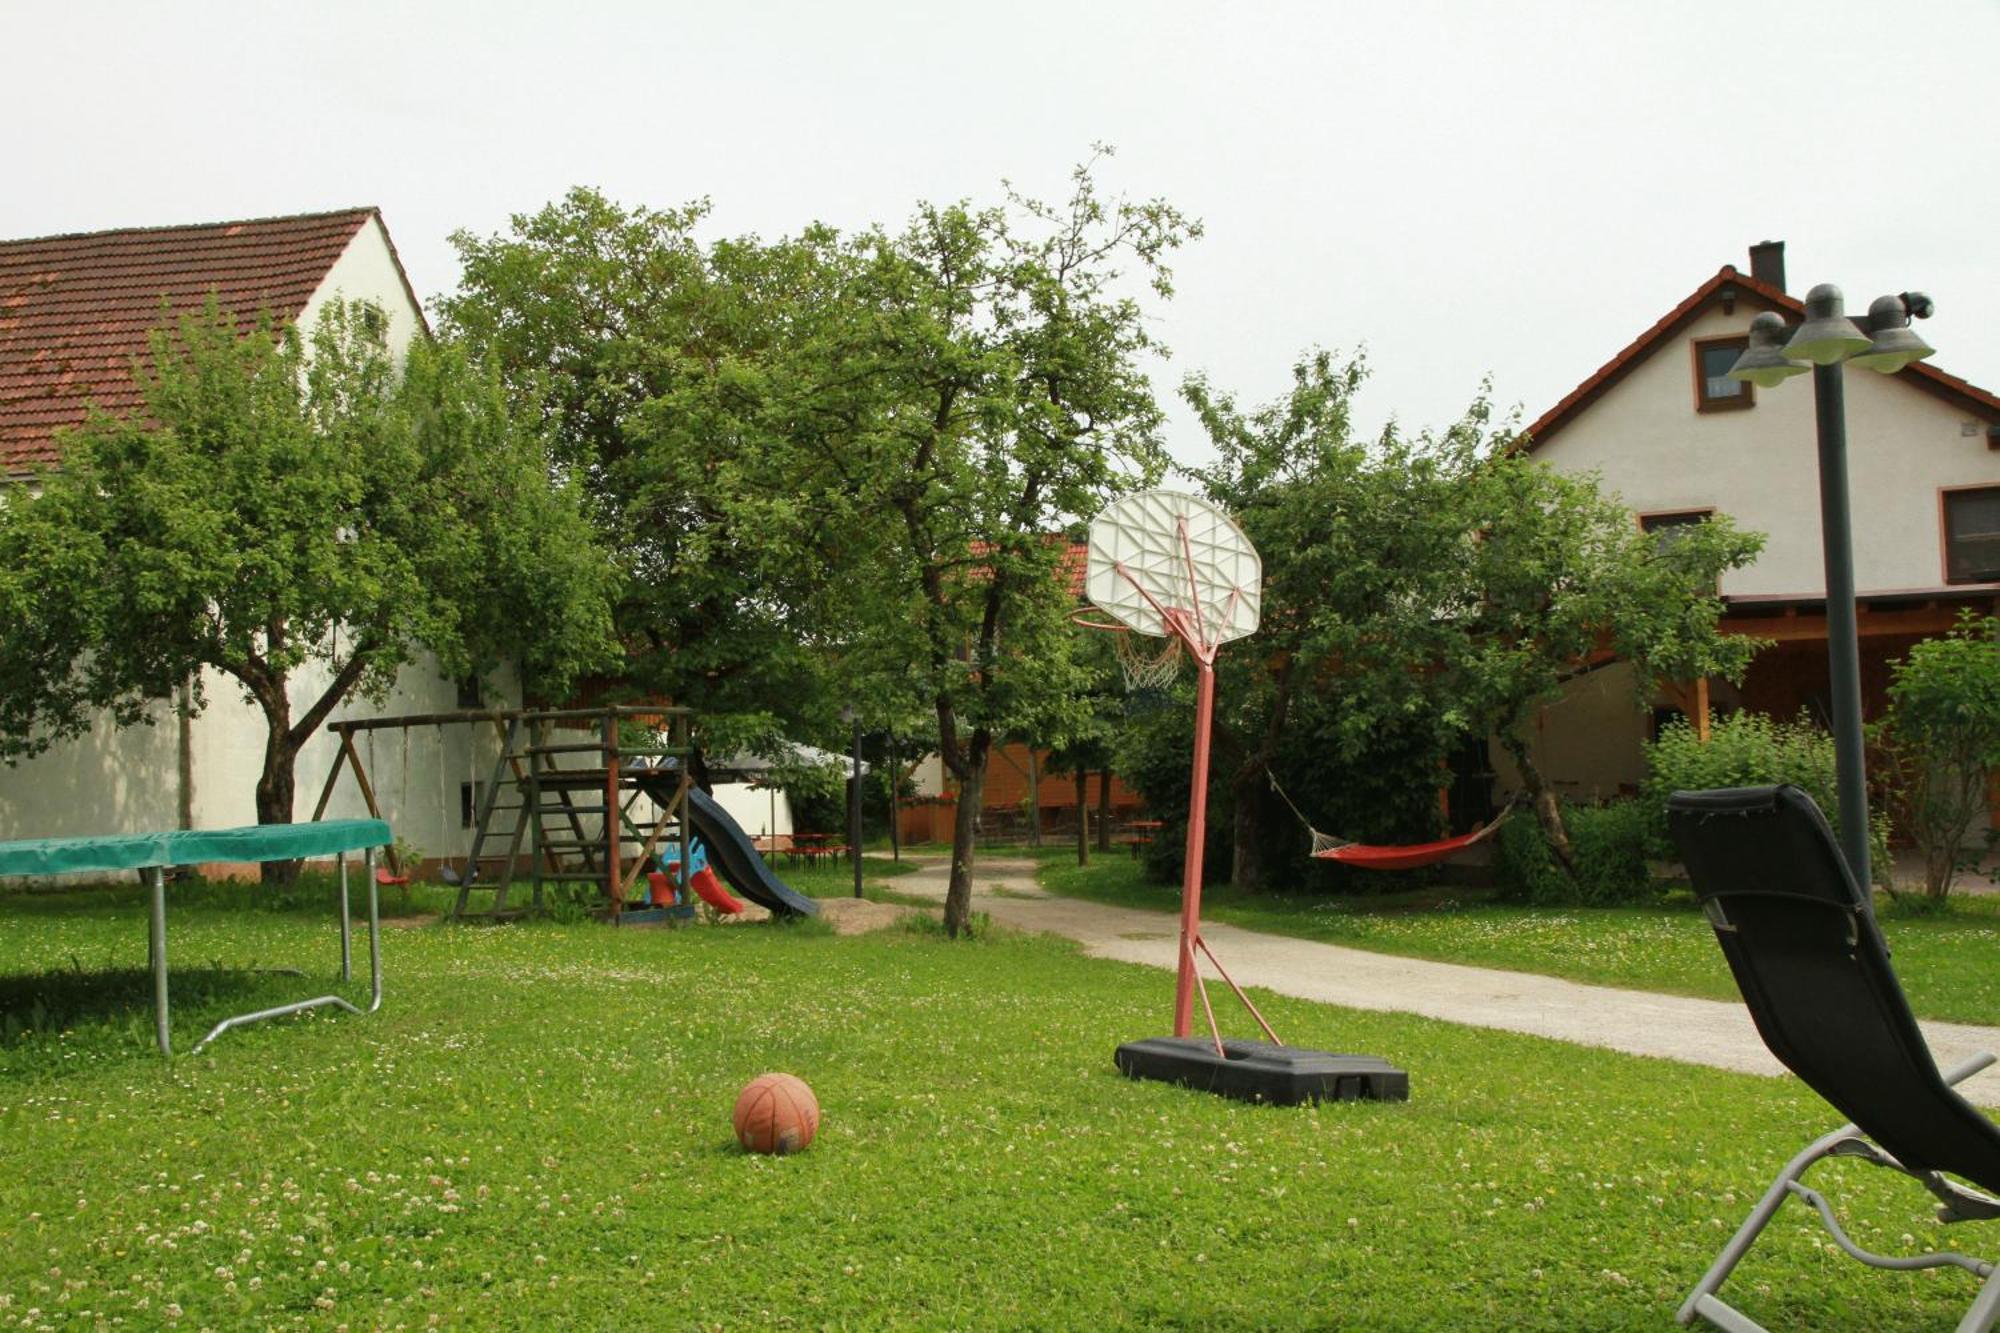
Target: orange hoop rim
1081,617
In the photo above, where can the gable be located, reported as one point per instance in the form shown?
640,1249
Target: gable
1731,289
76,311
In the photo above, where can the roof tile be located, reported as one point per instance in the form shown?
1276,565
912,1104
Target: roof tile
76,311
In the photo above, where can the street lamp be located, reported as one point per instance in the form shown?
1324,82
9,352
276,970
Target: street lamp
1882,341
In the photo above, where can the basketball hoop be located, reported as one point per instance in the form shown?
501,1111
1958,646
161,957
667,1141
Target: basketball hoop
1148,662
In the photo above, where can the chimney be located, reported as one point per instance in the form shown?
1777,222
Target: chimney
1767,263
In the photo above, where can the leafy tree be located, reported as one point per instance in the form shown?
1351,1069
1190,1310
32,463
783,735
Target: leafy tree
655,361
978,383
1943,726
301,520
1559,578
1345,690
1419,590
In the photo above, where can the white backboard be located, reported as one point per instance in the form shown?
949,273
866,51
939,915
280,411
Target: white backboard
1164,551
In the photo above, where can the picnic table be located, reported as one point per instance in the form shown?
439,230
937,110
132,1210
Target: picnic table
1138,833
151,853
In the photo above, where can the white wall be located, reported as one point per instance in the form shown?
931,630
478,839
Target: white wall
1760,465
367,271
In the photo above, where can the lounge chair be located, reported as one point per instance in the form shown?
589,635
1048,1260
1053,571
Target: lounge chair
1800,936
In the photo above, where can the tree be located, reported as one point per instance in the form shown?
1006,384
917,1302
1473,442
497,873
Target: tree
1943,729
1560,579
977,385
655,360
300,520
1343,687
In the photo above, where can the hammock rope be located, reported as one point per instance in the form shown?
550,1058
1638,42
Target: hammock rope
1377,856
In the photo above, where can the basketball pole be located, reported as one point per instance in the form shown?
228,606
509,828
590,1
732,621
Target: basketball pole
1197,838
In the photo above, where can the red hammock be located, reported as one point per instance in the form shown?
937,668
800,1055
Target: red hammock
1407,857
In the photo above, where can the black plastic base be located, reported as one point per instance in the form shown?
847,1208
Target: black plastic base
1259,1071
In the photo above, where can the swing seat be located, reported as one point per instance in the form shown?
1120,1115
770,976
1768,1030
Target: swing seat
388,878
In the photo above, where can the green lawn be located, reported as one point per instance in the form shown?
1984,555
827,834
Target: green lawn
534,1133
1949,963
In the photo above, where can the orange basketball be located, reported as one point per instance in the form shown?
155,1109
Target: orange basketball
776,1113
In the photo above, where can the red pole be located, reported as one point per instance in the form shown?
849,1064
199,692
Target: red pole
1204,712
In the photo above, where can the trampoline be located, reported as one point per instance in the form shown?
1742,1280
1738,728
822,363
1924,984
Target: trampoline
152,853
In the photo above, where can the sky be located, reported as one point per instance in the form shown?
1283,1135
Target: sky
1464,190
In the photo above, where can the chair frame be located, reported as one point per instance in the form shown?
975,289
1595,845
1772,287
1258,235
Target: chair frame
1956,1202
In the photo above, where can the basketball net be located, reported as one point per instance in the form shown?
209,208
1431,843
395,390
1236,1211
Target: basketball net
1146,661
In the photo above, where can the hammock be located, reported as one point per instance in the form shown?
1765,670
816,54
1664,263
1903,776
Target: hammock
1378,856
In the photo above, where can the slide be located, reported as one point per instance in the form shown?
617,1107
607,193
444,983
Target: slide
730,851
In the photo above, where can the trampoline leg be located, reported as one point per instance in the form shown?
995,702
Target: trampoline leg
346,933
1985,1309
374,932
156,883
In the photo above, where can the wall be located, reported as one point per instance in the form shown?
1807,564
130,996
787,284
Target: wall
1760,465
367,271
1586,744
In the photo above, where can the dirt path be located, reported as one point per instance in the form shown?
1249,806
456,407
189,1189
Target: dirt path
1673,1027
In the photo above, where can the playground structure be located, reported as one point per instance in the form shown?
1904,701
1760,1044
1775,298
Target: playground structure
598,798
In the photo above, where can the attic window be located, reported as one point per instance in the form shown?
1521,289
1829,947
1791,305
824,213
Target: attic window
1972,535
1714,391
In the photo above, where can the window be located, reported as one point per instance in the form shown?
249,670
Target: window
1972,535
1714,391
1667,525
468,693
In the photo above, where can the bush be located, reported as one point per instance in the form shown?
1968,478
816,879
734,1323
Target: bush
1941,740
1746,750
1607,847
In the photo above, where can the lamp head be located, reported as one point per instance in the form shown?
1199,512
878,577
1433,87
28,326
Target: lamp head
1895,344
1827,336
1763,362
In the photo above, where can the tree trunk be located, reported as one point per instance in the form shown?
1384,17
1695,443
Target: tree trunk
1104,809
1247,861
965,820
1548,810
1082,815
276,786
1034,798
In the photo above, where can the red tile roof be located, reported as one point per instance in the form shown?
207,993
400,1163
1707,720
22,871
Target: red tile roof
76,310
1921,374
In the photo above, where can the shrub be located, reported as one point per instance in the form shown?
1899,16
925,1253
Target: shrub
1608,851
1942,736
1746,750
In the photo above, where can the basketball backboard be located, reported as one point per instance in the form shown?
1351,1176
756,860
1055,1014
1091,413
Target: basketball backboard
1161,555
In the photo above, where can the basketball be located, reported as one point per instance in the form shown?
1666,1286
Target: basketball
776,1113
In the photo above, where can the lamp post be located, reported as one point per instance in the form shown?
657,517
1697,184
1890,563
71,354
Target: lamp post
852,716
1882,341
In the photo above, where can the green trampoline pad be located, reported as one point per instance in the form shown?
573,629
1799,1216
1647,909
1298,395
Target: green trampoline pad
137,851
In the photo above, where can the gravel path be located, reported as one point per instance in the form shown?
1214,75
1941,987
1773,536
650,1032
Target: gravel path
1673,1027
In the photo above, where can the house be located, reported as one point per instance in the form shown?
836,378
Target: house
1666,429
1019,792
75,313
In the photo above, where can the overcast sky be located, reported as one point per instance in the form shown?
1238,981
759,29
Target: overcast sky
1465,189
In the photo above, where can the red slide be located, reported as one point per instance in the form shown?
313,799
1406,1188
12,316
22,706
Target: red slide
704,882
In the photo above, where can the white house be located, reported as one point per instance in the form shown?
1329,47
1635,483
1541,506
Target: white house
75,311
1665,429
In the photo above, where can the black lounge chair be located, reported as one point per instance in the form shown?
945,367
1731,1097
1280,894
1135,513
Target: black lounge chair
1800,936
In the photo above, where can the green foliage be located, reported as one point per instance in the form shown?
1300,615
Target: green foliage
1942,734
1607,854
282,514
832,463
1420,590
1746,750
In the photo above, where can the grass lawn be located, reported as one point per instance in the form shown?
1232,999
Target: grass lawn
534,1133
1949,963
